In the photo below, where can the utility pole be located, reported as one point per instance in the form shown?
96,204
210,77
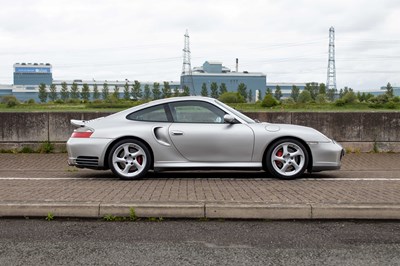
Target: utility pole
186,76
331,77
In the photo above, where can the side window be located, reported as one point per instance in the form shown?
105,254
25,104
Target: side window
151,114
196,112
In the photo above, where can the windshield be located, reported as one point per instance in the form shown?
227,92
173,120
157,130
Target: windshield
236,112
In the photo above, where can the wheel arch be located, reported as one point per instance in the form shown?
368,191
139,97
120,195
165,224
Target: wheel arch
310,160
111,145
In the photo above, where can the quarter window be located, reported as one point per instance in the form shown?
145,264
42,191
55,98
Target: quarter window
152,114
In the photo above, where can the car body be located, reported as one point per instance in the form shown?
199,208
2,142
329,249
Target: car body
196,132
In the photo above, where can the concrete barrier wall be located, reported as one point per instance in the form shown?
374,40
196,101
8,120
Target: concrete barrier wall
357,131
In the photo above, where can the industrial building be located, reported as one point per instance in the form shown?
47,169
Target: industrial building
26,74
213,71
286,88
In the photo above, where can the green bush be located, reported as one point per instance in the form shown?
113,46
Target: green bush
288,101
320,98
349,97
231,97
269,101
59,101
340,102
379,100
304,97
31,101
391,105
9,100
46,147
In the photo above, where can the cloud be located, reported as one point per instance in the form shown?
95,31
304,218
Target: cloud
287,40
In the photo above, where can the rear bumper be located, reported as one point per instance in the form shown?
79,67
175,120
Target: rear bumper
87,152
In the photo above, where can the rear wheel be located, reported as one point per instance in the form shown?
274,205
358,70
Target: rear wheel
129,159
287,159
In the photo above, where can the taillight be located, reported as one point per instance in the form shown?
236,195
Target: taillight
82,133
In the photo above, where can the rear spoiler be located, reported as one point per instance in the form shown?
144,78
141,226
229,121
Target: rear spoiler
82,123
78,123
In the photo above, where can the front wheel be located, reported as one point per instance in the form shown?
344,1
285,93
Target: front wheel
129,159
287,159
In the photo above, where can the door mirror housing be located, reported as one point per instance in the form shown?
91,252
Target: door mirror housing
230,119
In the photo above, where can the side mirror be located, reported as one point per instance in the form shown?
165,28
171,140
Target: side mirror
229,119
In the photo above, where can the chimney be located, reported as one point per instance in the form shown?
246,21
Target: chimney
237,65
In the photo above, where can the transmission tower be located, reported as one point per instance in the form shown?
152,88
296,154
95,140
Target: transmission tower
186,76
331,77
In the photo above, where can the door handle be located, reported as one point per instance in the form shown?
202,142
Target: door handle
177,133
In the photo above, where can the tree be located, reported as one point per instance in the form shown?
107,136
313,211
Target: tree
313,88
42,93
304,97
176,92
321,98
322,88
222,88
214,90
53,93
268,91
146,92
64,91
156,91
127,95
96,94
166,90
116,92
278,92
295,93
204,91
74,91
136,90
85,94
105,92
389,90
349,97
341,93
242,89
331,94
186,91
250,96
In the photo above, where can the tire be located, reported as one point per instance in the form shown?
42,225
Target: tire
287,159
129,159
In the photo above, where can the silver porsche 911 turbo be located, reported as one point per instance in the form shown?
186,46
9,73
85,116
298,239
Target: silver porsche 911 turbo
197,133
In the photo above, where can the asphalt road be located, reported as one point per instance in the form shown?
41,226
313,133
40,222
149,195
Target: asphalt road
93,242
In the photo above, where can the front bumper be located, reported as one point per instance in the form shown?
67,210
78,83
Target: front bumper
326,156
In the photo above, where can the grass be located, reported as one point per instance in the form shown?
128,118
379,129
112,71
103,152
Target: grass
244,107
312,107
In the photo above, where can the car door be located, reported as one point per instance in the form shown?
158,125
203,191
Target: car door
200,134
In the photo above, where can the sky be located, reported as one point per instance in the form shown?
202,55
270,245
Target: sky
143,39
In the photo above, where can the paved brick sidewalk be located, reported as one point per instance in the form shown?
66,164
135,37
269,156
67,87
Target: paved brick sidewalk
365,179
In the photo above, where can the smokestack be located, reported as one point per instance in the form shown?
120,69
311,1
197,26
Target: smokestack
237,65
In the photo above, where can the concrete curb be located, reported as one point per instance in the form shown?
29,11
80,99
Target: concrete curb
192,210
154,209
258,211
355,211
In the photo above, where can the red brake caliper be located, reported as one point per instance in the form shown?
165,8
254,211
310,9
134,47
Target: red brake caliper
279,154
139,159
